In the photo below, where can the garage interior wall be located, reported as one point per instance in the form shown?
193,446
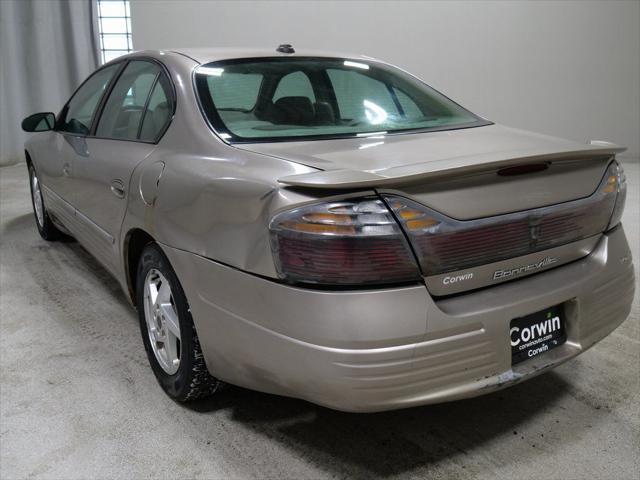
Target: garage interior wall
47,48
570,69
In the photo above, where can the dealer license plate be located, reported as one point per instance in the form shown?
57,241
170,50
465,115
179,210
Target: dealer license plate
537,333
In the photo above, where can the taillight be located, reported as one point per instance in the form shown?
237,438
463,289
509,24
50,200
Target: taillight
350,242
443,244
617,182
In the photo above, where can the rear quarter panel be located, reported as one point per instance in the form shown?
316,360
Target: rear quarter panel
212,199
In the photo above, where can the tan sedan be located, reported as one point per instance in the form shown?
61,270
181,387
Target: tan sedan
331,228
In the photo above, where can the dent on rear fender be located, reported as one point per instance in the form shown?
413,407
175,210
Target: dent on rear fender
149,182
220,208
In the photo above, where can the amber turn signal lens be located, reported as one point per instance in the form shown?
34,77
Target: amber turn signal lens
612,184
421,223
410,214
320,228
328,218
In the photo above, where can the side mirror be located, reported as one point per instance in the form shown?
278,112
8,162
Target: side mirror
39,122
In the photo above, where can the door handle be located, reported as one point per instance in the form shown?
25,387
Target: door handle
65,169
117,188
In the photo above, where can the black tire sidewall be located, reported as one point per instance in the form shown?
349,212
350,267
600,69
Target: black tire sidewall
177,385
47,230
41,230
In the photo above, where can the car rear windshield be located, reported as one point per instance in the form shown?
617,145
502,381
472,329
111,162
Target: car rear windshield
276,99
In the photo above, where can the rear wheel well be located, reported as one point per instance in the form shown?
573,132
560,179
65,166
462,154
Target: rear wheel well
135,242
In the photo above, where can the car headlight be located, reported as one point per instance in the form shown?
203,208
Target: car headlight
350,242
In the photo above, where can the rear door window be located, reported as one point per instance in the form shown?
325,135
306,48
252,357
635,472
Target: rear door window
123,111
158,112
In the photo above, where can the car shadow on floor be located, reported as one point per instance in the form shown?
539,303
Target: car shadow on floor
65,251
26,225
390,443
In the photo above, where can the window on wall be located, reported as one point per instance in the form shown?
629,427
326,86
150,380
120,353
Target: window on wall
114,22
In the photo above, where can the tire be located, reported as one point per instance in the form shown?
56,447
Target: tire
159,313
46,228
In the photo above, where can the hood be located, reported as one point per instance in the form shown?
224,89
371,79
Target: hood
380,160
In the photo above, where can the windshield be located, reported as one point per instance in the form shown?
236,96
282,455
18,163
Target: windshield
269,99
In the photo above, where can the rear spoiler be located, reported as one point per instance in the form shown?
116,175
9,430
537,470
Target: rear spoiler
406,174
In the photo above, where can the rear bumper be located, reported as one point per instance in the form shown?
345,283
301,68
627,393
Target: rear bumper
383,349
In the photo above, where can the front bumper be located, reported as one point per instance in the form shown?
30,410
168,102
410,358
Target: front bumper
384,349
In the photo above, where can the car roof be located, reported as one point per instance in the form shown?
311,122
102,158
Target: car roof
207,55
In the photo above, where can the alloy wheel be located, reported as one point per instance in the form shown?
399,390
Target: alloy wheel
37,199
163,324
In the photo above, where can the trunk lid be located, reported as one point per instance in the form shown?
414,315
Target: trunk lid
453,172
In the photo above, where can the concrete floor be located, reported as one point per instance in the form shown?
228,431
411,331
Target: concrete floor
78,399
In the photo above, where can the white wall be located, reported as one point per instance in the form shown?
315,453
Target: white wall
566,68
